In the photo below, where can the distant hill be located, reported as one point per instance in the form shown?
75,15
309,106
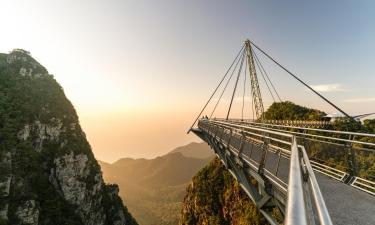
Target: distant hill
153,189
195,150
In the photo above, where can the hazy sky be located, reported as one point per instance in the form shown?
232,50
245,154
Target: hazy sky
139,71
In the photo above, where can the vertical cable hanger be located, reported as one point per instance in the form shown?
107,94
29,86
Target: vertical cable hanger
268,78
244,90
225,75
235,86
225,87
265,81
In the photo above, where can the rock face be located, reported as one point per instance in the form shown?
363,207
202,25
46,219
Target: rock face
48,173
215,198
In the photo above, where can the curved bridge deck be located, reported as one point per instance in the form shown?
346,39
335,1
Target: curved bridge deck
345,203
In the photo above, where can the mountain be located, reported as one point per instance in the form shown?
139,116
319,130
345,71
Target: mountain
195,150
158,185
48,173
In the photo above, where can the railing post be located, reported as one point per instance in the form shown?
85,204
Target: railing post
264,154
222,134
243,139
321,208
278,163
216,131
351,159
230,137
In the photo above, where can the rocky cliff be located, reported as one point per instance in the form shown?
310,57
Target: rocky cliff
215,198
48,173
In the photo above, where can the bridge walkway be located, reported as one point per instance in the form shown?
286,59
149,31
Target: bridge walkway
346,204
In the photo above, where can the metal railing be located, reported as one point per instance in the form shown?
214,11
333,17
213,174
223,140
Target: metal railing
329,171
296,207
345,151
297,198
284,145
297,131
323,215
279,143
364,185
299,123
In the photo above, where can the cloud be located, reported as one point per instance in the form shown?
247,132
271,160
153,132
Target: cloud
360,100
327,87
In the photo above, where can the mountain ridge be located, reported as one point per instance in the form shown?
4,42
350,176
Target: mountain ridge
194,150
158,185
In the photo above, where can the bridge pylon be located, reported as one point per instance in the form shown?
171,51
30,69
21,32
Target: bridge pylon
255,90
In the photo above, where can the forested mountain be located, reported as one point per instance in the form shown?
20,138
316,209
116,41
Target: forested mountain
154,195
48,173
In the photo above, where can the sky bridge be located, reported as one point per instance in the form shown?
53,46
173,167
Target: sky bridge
307,171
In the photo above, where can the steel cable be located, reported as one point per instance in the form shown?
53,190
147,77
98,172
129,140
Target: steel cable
222,93
264,71
204,107
235,86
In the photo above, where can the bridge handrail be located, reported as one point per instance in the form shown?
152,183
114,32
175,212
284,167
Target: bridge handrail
321,207
296,208
239,131
302,180
256,128
329,171
364,185
306,128
324,137
230,127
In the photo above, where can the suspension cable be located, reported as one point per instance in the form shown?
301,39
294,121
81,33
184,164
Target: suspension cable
264,71
260,70
302,82
235,86
204,107
225,87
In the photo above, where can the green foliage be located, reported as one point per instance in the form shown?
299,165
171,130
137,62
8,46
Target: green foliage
369,125
4,222
215,198
112,201
290,111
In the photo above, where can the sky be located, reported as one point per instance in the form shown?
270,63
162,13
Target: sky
138,72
